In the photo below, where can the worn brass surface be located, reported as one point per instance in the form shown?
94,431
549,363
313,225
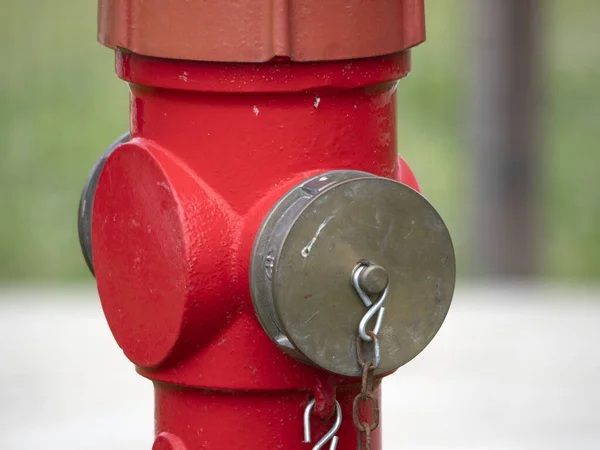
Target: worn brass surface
319,237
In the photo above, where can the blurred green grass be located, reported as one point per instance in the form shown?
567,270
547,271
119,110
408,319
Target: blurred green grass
61,105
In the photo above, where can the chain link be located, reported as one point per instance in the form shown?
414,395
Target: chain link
367,337
367,434
366,395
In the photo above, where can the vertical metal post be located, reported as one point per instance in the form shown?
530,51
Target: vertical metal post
504,122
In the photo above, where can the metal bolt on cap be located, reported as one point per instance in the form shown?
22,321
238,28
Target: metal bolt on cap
373,279
308,247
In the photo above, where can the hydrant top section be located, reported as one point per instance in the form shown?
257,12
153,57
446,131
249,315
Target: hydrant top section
260,30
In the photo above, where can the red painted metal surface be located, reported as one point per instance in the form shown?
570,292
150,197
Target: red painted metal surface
176,210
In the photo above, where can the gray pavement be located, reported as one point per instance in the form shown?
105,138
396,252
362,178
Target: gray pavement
514,367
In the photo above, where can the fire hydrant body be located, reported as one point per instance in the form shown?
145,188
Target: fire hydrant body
213,147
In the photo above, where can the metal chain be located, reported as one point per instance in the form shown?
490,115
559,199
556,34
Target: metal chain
365,395
368,364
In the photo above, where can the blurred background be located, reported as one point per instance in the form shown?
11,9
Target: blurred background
500,121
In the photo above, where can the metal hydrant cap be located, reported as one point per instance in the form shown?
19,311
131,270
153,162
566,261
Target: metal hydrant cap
305,253
260,30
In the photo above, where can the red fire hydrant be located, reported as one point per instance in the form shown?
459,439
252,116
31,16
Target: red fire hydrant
249,228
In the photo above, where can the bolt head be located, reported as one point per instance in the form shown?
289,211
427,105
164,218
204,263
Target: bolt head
373,279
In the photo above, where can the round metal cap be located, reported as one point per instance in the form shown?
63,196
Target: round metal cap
308,247
86,203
